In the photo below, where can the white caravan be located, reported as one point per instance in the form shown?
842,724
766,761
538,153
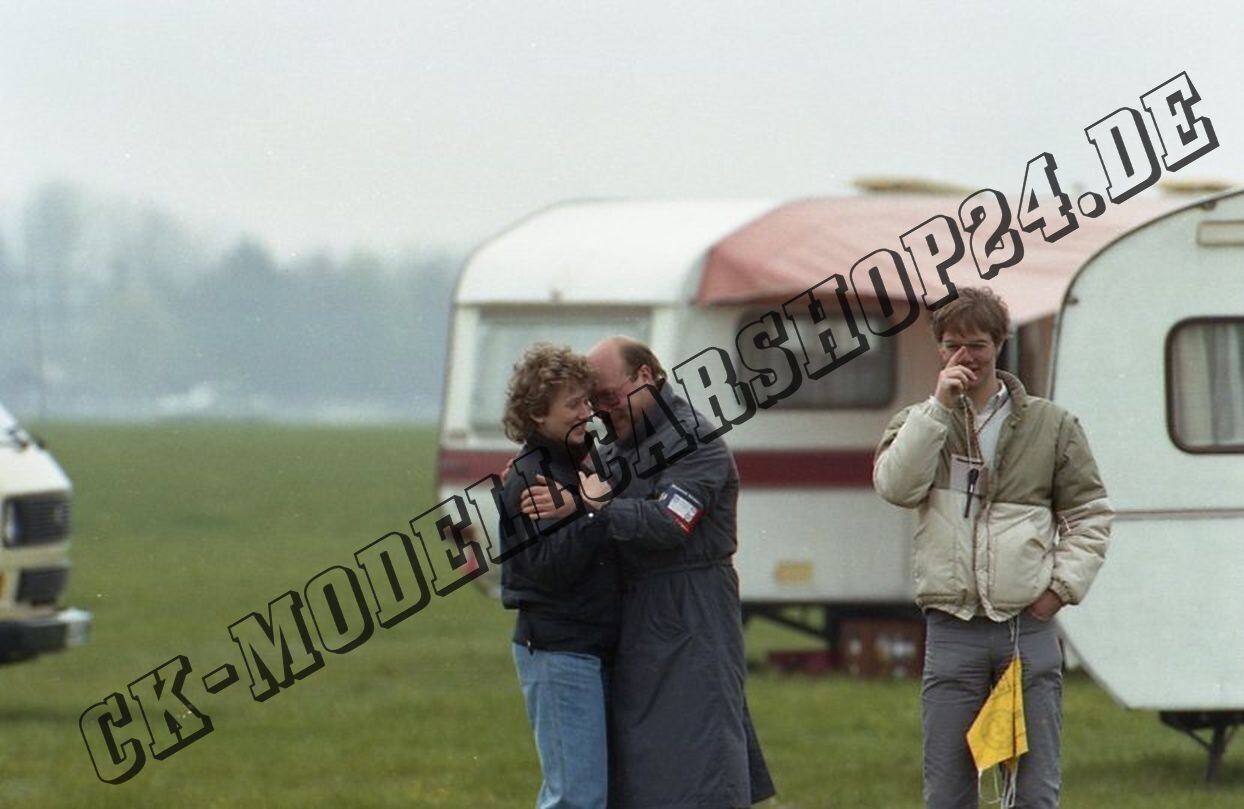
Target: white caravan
684,276
1150,356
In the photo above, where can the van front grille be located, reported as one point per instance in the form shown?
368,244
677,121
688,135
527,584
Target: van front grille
41,519
42,585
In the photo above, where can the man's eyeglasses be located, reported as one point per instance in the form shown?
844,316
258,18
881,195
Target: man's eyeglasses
610,397
976,347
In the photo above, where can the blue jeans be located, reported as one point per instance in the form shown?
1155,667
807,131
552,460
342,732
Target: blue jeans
565,696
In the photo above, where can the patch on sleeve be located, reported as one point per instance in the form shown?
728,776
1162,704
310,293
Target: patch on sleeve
683,507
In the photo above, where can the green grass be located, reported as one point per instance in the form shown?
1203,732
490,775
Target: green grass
183,529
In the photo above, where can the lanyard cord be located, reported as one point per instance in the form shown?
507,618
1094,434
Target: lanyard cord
974,441
975,454
974,432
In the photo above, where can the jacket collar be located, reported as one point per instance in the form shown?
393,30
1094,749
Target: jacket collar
1015,388
556,449
654,415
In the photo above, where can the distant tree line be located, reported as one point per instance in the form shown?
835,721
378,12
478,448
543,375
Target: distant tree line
112,311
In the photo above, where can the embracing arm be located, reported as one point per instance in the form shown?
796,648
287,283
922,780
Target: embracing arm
685,491
554,553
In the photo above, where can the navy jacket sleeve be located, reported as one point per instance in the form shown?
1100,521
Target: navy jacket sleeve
684,491
557,553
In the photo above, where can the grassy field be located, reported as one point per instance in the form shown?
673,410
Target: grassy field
183,529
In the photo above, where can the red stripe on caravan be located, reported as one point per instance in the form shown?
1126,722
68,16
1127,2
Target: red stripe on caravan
466,466
839,468
757,468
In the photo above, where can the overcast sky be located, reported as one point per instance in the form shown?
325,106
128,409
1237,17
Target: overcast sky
391,123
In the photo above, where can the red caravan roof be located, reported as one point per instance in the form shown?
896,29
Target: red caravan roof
794,247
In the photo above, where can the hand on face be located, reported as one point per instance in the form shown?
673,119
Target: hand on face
955,379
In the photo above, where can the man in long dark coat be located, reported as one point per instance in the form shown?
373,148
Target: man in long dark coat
680,731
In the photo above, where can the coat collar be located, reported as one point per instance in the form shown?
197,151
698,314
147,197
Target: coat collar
556,449
1015,388
655,414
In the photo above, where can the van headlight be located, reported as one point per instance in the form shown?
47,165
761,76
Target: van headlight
10,528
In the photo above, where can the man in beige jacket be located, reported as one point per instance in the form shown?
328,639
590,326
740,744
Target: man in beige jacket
1013,525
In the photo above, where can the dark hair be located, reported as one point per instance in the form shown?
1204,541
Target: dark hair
543,371
976,308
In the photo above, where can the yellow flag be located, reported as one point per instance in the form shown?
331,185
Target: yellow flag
998,733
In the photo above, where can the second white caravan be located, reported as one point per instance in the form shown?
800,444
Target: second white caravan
686,276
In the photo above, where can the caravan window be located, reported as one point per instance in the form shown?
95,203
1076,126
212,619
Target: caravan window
1205,384
868,381
503,336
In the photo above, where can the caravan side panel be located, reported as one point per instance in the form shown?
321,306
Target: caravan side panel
1163,627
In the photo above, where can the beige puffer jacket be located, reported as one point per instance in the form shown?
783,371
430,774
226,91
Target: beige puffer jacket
1044,523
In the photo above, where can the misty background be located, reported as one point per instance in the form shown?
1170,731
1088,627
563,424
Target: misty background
117,311
257,209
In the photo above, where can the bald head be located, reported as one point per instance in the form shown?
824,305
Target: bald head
631,353
623,366
608,349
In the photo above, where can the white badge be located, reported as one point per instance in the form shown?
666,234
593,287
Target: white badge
967,476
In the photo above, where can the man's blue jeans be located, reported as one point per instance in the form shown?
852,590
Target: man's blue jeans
565,696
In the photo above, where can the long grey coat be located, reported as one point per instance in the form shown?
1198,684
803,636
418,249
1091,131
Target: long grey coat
681,736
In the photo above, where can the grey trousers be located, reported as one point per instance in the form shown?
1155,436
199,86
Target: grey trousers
962,661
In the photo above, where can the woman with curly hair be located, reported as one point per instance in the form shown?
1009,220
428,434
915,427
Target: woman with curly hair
562,576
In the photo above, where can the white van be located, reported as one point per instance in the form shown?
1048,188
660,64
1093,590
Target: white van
684,276
35,503
1150,357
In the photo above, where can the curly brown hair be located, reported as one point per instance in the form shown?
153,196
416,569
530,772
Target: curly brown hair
541,373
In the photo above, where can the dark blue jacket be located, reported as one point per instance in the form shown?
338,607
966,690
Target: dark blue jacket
562,576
